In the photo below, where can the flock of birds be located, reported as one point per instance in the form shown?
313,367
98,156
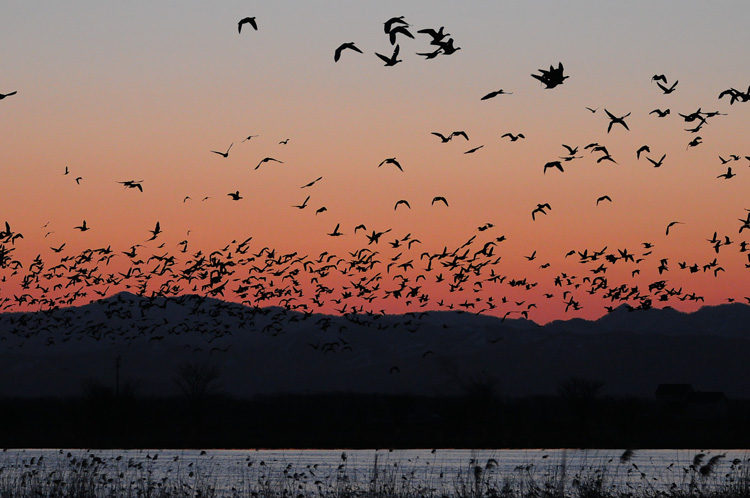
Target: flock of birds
358,285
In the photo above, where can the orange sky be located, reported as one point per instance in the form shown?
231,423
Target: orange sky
142,92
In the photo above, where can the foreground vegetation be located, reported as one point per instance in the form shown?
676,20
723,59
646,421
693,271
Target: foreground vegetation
87,475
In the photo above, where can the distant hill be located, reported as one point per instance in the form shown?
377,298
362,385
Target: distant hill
272,350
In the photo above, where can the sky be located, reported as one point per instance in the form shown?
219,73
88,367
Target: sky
144,91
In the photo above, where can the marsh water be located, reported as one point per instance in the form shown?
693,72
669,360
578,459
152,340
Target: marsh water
440,471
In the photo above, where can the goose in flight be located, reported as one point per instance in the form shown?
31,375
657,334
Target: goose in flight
223,154
551,78
553,164
495,94
603,198
643,148
665,89
660,113
312,182
391,160
437,36
402,201
392,60
728,174
388,25
247,20
3,95
540,208
133,184
512,137
267,159
82,227
336,232
439,199
342,47
471,151
658,163
235,195
616,120
155,232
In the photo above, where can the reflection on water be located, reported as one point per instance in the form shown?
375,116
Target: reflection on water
324,472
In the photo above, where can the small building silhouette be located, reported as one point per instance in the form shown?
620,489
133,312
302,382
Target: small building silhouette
683,399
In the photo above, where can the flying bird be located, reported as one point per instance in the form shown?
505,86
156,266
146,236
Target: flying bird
312,182
540,208
247,20
155,232
392,60
512,137
728,174
388,25
3,95
304,204
132,184
235,195
402,201
616,120
551,78
223,154
82,227
267,159
660,113
658,163
471,151
391,160
342,47
336,232
441,199
665,89
495,94
249,137
396,30
603,198
643,148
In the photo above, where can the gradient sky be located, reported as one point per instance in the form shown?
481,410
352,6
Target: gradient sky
144,91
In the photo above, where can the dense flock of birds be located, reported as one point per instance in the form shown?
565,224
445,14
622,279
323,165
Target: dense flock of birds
384,268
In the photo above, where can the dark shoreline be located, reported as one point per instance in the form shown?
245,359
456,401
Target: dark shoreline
326,421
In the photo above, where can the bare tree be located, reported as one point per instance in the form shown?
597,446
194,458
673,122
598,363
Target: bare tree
197,380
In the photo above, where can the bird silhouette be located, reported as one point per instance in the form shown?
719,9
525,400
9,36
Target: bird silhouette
495,94
728,174
391,160
402,201
643,148
336,232
224,154
392,60
247,20
512,137
235,195
660,113
82,227
616,120
603,198
439,199
155,232
267,159
312,182
551,78
388,25
540,208
304,204
665,89
471,151
3,95
658,163
400,29
248,138
342,47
